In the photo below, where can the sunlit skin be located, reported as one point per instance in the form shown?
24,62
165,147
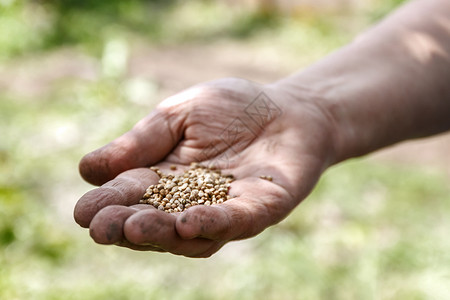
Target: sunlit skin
372,93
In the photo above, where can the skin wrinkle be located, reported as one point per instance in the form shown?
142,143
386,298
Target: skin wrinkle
247,141
135,181
175,138
100,202
202,118
123,179
213,141
187,136
123,196
213,144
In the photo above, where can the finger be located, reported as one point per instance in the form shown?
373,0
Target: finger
156,228
148,142
107,225
255,208
126,189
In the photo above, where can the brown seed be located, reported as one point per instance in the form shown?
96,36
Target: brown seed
266,177
173,167
199,185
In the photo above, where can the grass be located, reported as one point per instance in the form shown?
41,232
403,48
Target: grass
368,231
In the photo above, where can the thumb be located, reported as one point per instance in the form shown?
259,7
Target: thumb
148,142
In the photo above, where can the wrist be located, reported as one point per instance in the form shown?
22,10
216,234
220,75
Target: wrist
352,87
381,89
305,112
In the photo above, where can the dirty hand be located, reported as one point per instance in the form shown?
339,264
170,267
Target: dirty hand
243,128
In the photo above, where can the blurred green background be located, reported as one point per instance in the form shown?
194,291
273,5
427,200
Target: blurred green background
75,74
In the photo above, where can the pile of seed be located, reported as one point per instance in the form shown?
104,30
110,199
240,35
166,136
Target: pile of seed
199,185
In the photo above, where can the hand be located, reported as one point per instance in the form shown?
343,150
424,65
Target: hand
228,123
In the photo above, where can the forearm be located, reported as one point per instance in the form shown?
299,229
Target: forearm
391,84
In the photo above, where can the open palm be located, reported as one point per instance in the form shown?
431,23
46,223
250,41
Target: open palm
243,128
